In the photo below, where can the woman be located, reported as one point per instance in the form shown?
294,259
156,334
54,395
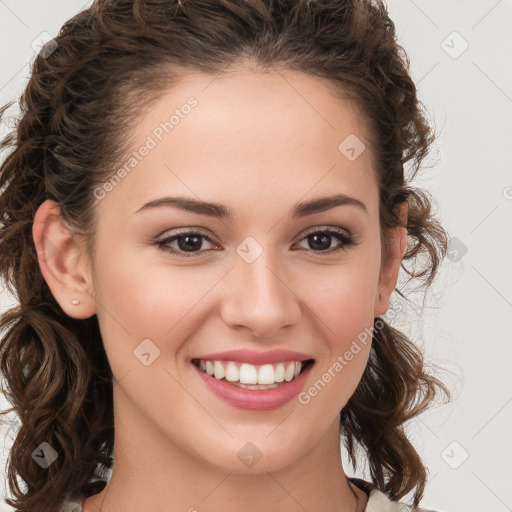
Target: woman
205,211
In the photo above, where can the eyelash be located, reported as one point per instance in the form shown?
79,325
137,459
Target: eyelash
346,239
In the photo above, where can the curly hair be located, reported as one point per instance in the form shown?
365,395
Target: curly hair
107,65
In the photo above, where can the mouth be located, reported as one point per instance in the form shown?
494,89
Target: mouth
250,376
255,387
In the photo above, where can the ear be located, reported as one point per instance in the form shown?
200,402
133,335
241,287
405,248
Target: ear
63,261
390,264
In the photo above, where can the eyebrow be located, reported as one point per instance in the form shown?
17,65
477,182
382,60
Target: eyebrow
304,209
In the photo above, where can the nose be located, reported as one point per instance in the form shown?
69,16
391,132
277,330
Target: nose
261,297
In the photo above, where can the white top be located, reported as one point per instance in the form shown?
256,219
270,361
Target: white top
378,501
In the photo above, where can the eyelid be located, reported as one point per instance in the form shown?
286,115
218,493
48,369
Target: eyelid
172,233
302,234
345,238
325,228
185,229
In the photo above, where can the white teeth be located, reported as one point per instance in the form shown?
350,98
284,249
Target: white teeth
255,386
218,370
279,373
252,376
266,374
289,372
232,373
249,374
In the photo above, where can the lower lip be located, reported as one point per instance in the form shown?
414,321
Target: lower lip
255,399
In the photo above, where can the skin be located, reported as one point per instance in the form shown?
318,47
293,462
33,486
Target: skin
258,143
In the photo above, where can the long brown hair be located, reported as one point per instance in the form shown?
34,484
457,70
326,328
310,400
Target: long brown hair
106,66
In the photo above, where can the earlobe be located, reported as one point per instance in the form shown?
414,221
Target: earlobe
62,260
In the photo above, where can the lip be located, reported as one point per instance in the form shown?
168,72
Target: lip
256,358
254,399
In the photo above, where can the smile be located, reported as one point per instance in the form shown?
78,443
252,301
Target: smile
250,376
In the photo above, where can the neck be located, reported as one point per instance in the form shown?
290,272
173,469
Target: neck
153,473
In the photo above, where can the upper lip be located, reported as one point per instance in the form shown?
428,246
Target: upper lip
256,358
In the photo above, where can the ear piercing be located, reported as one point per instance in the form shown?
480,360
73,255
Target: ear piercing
75,302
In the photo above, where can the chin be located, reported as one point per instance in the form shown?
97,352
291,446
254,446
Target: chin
251,457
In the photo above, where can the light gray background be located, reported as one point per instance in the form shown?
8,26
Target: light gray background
466,327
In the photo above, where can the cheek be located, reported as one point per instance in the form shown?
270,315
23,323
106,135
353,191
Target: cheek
145,300
343,297
343,306
345,317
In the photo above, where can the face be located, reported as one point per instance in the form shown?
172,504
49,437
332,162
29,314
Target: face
268,277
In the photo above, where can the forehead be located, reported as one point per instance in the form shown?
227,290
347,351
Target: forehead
283,135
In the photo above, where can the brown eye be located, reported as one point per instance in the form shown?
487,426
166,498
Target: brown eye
320,240
188,241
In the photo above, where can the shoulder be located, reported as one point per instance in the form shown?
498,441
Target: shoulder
379,501
75,502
